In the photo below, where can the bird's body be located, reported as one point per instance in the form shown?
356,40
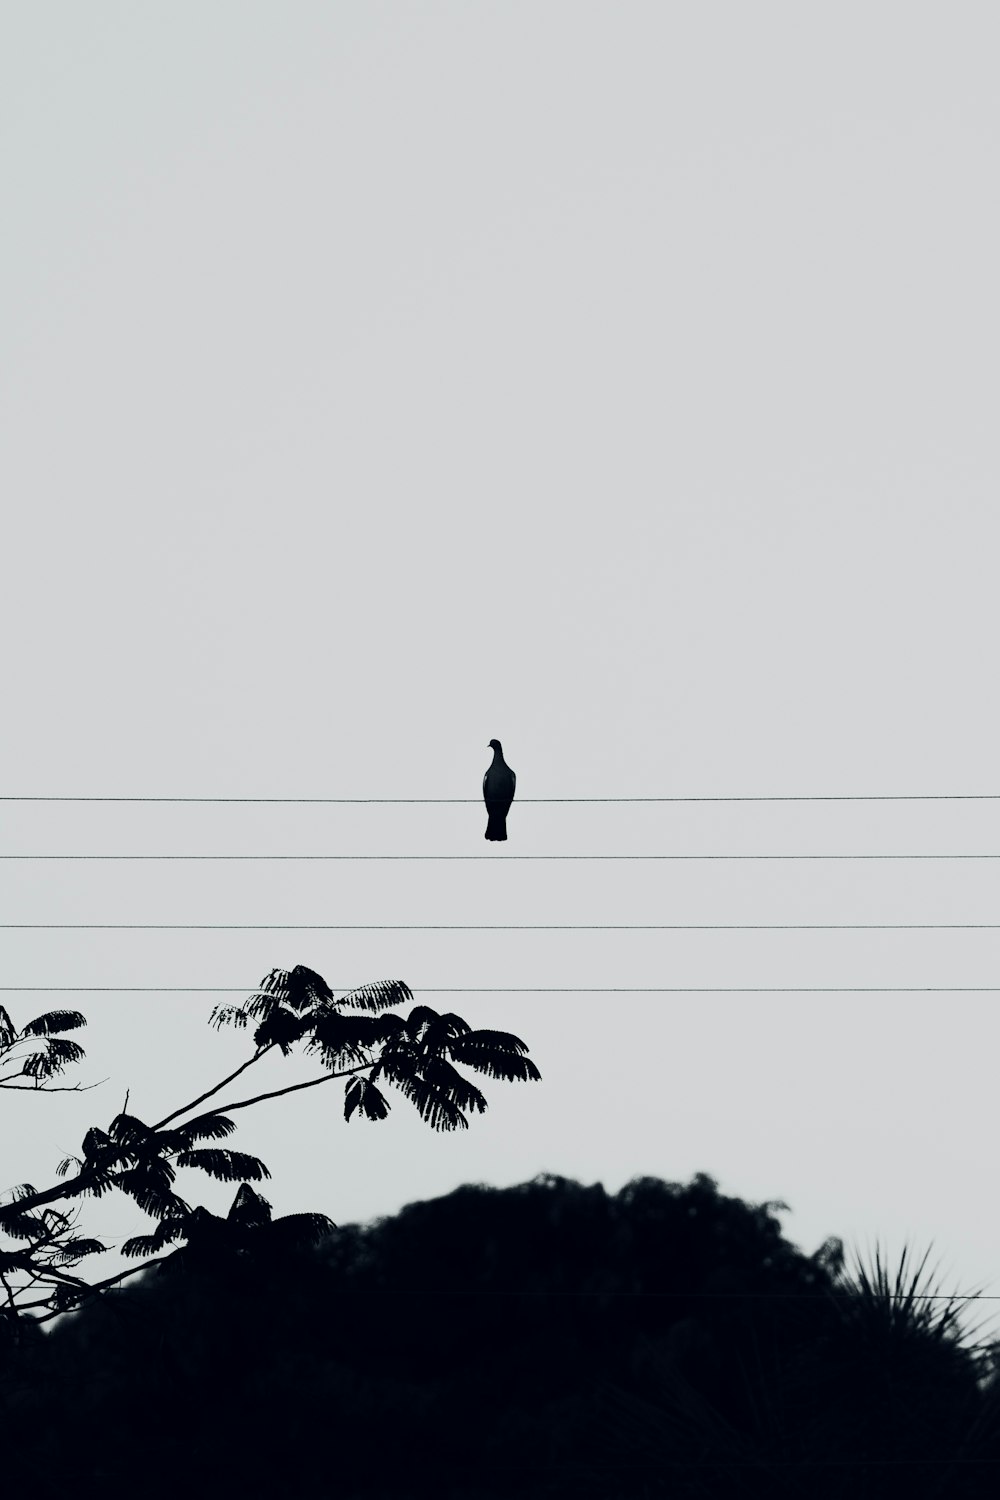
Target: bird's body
498,793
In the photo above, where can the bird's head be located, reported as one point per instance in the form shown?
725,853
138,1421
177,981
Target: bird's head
495,745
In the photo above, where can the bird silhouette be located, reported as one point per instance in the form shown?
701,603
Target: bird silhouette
498,793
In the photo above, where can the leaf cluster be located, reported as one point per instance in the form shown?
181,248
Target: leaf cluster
416,1053
356,1036
52,1053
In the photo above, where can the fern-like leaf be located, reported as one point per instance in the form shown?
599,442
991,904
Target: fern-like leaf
54,1020
57,1053
24,1226
206,1128
300,1231
96,1142
378,996
283,1027
362,1094
7,1029
433,1103
149,1186
439,1072
129,1130
307,989
345,1040
64,1298
421,1017
227,1166
499,1054
22,1191
166,1232
445,1029
249,1208
76,1249
227,1015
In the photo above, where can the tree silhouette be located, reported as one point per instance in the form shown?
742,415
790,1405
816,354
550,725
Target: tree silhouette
547,1340
356,1037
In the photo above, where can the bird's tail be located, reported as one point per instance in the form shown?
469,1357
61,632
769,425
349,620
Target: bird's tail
496,827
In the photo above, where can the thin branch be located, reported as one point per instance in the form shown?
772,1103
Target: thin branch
71,1189
215,1089
98,1286
10,1292
227,1109
50,1088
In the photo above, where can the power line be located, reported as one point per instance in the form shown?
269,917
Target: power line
477,801
499,926
494,858
529,989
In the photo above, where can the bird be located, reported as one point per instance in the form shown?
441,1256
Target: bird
498,793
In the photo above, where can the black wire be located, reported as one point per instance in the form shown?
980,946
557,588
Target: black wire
467,801
491,857
530,989
499,927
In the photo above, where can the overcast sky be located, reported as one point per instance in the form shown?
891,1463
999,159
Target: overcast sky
619,380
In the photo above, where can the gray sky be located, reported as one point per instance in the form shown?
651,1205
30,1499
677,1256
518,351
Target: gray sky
616,379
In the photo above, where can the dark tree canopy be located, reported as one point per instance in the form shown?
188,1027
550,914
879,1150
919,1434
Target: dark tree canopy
544,1340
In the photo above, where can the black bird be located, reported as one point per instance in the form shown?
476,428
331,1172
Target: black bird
498,793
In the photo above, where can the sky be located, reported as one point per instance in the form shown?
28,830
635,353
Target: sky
618,380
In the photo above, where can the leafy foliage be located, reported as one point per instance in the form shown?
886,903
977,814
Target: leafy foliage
57,1053
547,1341
227,1166
362,1094
247,1231
53,1056
357,1036
203,1128
498,1054
54,1020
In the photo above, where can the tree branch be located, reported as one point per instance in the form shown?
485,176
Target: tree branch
202,1097
93,1287
227,1109
53,1088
